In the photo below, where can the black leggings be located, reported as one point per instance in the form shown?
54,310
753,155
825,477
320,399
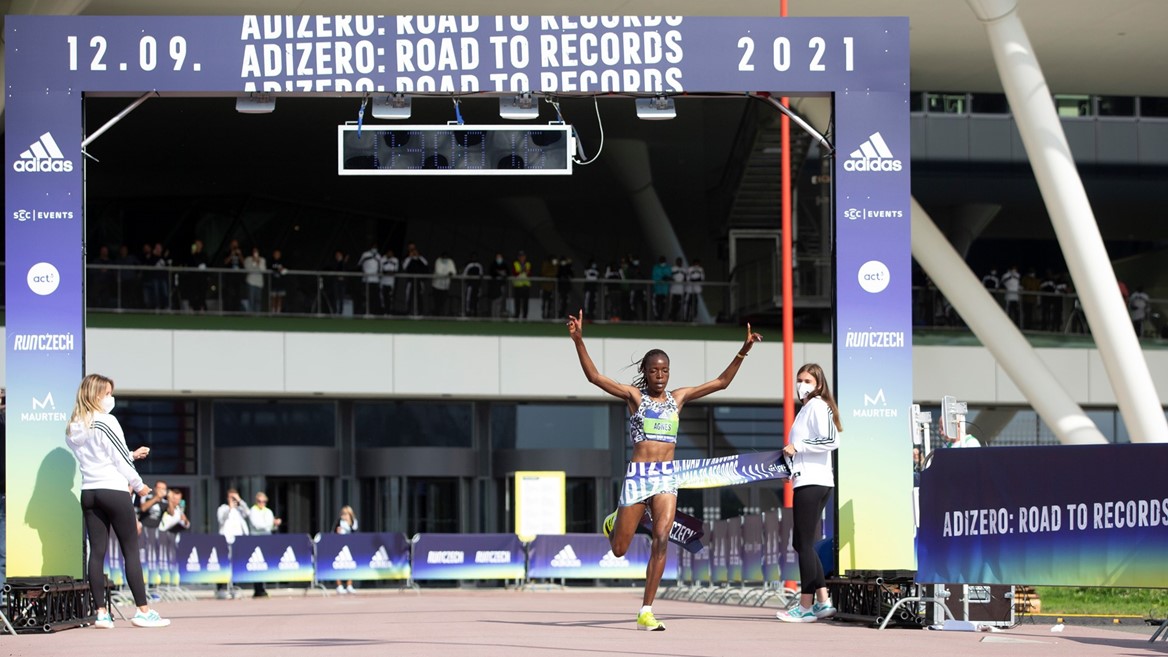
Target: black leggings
102,509
808,507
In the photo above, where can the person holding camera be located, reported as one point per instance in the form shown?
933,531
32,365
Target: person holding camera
107,476
233,521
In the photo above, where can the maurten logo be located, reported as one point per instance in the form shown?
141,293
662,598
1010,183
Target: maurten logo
43,156
873,156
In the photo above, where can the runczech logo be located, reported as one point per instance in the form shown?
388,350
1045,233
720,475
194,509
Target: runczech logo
873,156
43,156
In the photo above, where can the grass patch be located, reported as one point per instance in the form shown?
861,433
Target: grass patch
1101,601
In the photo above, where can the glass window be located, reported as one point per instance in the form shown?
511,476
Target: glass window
413,424
739,429
550,426
693,433
167,427
945,103
580,500
1153,106
989,104
916,102
1071,105
433,505
274,423
1117,106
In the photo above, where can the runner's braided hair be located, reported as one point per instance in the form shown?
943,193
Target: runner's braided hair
639,380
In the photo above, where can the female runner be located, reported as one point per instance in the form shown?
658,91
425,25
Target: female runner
653,418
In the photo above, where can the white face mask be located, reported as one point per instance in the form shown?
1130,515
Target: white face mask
107,404
802,388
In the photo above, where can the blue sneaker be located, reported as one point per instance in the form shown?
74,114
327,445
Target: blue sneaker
796,614
823,610
609,523
149,619
104,621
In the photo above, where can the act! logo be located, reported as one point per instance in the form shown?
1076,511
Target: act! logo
873,156
873,276
43,156
43,278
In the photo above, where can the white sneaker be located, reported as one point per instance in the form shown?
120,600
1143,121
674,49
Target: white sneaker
149,619
104,621
350,589
341,589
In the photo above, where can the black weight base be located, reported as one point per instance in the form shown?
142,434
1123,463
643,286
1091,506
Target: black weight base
867,596
48,604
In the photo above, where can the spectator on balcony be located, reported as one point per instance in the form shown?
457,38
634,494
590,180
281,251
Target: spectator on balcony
591,289
1012,284
548,270
256,265
336,295
155,289
473,275
194,282
389,267
232,282
105,281
369,300
444,272
497,289
637,295
1138,303
693,289
279,287
612,291
417,267
521,283
677,289
564,275
662,274
129,279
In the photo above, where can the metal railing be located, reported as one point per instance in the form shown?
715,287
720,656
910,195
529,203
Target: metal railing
222,291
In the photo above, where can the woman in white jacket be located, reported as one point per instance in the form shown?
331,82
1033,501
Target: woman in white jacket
813,437
107,467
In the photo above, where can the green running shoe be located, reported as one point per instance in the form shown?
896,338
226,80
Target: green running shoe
646,621
609,523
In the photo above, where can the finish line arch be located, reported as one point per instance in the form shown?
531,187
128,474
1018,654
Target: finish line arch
52,61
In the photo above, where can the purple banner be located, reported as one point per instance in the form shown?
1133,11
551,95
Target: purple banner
203,559
330,54
720,559
467,556
873,328
752,540
363,556
274,558
1073,515
703,561
589,556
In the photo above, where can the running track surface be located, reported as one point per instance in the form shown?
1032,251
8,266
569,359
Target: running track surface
515,623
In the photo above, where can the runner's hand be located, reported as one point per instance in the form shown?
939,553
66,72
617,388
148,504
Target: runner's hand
576,326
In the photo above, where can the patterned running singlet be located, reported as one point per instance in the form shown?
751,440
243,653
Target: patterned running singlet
653,420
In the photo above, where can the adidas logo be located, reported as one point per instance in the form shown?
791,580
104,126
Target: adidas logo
874,156
213,560
288,561
566,558
43,155
193,561
380,560
256,561
610,560
343,560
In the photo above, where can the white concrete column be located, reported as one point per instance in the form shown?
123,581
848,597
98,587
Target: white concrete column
1072,218
995,330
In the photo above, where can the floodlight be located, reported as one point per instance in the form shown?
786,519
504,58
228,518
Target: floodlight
393,106
523,107
255,104
657,108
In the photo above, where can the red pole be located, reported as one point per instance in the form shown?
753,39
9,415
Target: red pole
788,302
788,294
